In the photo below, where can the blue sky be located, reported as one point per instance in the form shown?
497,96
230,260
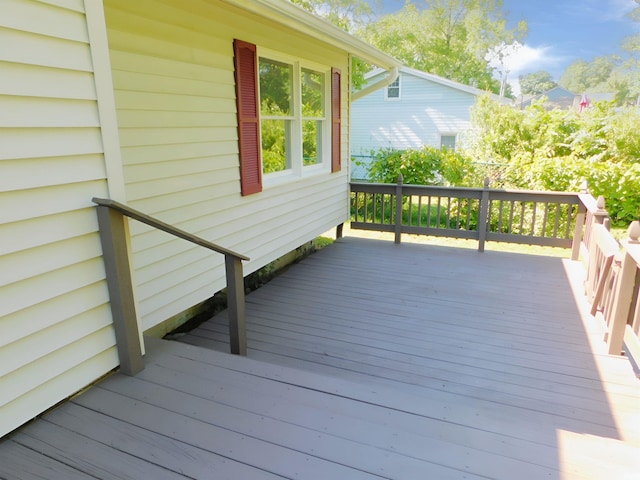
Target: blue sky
561,31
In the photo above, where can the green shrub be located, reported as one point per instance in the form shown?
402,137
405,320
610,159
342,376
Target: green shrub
424,166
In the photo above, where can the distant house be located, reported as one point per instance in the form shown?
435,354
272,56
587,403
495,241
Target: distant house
559,97
415,109
136,101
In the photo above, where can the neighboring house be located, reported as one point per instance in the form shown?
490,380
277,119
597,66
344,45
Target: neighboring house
559,97
136,101
415,110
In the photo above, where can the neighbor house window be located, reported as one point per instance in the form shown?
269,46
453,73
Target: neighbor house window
393,90
448,142
289,115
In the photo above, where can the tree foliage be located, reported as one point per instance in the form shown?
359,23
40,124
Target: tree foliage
536,83
450,38
350,15
423,166
556,150
594,76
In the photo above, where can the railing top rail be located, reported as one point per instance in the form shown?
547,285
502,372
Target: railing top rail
568,195
592,204
165,227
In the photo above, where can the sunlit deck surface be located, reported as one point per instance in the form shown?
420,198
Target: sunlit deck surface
366,360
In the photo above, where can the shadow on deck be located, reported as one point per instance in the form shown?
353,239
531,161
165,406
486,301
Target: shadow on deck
366,360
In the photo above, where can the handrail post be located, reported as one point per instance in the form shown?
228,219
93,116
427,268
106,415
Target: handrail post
398,224
482,216
123,309
620,312
577,231
601,214
623,297
236,305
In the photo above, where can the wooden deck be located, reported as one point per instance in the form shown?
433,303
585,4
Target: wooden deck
366,360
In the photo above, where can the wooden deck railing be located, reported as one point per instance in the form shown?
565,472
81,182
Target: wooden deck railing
576,220
484,214
613,287
111,223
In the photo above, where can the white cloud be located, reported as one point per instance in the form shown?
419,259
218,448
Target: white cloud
521,59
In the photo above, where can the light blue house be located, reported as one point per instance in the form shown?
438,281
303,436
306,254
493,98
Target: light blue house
414,109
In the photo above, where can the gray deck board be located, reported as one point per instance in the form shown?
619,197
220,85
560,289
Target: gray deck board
366,360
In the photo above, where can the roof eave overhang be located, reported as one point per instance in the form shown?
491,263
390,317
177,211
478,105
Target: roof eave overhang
292,16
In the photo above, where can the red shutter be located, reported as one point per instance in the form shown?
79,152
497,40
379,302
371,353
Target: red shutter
335,120
248,106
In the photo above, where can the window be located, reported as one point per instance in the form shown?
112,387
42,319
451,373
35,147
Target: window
276,115
393,90
288,116
448,142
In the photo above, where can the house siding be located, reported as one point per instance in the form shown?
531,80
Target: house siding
55,318
424,111
174,86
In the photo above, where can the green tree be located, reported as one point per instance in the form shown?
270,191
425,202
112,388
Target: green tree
541,149
536,83
450,38
582,76
350,15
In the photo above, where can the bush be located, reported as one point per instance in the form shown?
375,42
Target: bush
424,166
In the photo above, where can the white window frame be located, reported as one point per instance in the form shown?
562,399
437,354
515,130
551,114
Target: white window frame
298,169
391,85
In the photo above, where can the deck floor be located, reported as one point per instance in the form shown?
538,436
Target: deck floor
366,360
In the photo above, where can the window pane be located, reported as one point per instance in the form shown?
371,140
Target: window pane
393,90
312,142
276,148
312,93
448,141
276,81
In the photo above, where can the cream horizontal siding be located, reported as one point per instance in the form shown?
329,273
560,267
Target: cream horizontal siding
175,98
54,307
425,111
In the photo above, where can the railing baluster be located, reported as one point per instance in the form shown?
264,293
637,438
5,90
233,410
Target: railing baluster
485,205
420,210
512,203
398,224
533,219
469,203
556,225
545,219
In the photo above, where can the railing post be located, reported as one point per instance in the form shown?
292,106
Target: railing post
398,224
577,231
482,216
236,305
123,309
623,297
601,213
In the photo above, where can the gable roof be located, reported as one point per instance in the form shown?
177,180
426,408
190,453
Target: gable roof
285,13
443,81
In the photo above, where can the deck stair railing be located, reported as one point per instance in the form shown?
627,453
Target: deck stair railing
111,223
530,217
